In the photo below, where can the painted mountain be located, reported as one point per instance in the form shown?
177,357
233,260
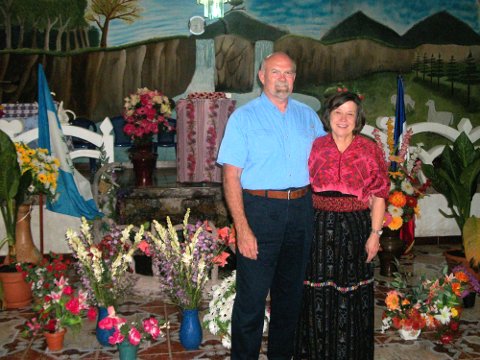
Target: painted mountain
361,26
441,28
240,23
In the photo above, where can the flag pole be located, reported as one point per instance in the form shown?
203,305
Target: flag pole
40,206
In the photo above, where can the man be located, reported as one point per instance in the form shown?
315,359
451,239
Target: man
264,155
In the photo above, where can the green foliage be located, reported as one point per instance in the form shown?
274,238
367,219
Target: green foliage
455,176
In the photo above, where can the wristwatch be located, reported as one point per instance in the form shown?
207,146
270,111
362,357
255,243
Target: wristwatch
378,232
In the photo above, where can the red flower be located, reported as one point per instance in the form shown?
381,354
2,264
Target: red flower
73,305
92,313
446,339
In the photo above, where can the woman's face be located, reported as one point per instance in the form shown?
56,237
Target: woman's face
342,119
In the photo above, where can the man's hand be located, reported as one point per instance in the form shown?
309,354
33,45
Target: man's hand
247,243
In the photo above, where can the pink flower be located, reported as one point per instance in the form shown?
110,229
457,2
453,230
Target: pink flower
221,259
68,290
92,313
73,305
134,336
107,323
144,247
116,338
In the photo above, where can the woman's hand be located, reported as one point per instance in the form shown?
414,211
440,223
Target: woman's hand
372,246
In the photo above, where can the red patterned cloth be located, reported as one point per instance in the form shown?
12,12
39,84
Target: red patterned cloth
360,170
207,95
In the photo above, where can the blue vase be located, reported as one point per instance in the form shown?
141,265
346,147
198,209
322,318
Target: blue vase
102,334
190,330
127,351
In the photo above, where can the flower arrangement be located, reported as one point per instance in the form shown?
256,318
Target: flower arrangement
133,332
431,303
218,318
183,264
42,277
59,309
406,186
145,112
103,266
43,167
474,283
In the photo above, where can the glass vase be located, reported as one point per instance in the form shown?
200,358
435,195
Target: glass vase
103,334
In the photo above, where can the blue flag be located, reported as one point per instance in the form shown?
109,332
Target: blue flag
74,195
400,118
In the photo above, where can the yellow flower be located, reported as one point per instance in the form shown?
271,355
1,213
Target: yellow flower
454,312
42,178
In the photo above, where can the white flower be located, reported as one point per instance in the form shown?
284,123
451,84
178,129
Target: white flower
444,316
407,187
395,211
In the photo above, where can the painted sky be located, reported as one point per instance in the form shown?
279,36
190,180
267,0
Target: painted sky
312,18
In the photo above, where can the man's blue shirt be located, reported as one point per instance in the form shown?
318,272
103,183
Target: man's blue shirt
271,147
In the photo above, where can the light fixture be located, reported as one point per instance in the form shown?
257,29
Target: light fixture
213,9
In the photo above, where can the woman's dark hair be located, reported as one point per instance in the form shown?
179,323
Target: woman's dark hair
337,100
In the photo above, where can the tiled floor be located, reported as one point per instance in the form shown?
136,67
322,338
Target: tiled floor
426,259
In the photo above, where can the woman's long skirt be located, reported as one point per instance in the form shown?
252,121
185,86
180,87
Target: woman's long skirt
337,313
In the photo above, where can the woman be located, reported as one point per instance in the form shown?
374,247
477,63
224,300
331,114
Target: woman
349,178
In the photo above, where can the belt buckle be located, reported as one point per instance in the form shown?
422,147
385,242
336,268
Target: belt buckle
288,194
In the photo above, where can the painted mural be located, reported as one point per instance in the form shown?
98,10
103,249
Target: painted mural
94,58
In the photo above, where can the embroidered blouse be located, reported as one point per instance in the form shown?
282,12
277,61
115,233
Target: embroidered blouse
360,170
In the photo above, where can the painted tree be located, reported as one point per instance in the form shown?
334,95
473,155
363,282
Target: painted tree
470,74
416,65
6,11
102,12
439,69
425,66
452,72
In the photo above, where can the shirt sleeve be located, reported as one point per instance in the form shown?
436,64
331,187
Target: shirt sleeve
380,181
233,149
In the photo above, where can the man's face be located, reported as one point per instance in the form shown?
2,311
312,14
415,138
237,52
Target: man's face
277,77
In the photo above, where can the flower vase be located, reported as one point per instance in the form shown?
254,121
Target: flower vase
16,292
190,330
144,161
410,334
25,248
392,248
469,300
103,334
55,340
127,351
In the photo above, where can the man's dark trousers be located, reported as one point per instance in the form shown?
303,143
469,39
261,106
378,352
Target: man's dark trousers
283,229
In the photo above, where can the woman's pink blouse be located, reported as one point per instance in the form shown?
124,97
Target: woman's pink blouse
360,170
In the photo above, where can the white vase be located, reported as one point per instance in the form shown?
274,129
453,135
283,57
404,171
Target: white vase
409,334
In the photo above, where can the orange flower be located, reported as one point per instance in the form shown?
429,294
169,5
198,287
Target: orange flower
460,275
397,198
392,300
405,302
396,223
456,288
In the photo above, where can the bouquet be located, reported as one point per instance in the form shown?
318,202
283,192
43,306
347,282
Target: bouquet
183,264
434,304
474,283
42,277
218,319
146,112
134,332
103,266
59,309
406,187
43,168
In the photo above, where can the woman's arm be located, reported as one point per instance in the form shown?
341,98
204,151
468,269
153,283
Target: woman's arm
373,243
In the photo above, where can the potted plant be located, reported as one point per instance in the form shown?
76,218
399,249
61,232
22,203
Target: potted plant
127,335
455,175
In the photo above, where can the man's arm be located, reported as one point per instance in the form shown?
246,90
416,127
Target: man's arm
246,240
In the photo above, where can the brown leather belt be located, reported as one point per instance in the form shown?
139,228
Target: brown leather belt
291,194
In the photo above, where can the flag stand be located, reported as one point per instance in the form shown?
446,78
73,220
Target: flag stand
40,206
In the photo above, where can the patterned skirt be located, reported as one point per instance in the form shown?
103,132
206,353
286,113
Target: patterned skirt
337,318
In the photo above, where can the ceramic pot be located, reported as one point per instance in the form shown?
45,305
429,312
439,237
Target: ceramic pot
55,340
144,161
392,248
25,248
102,335
17,293
409,334
127,351
469,300
190,330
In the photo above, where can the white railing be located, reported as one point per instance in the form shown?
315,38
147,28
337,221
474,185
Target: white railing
428,155
14,128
